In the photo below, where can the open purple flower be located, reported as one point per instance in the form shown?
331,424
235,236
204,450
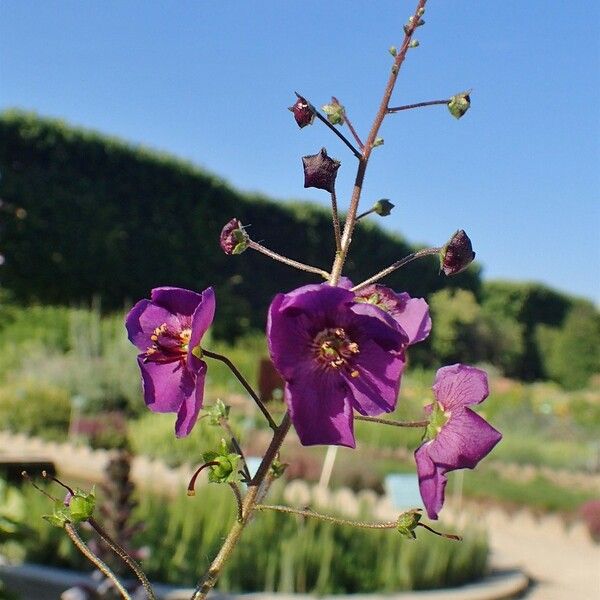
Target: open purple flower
457,438
335,356
167,329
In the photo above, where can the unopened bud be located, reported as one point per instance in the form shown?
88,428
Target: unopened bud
459,104
219,410
393,50
234,239
303,112
82,505
223,465
383,207
407,523
414,44
335,112
378,142
457,254
320,171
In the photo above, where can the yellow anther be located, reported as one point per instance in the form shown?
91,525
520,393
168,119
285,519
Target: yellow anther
353,347
354,374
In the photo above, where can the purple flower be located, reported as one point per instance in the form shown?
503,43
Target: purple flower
168,329
412,314
303,112
457,438
335,356
457,254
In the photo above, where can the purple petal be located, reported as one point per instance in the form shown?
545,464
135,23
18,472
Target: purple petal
378,324
143,319
344,282
166,385
463,441
414,319
289,338
176,300
188,413
203,316
320,410
315,299
375,390
460,385
432,481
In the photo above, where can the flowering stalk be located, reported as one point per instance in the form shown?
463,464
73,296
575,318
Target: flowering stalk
336,222
288,261
304,512
392,422
210,578
244,383
99,564
340,258
238,498
396,109
397,265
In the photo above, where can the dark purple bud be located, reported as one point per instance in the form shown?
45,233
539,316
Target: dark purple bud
234,239
320,171
457,254
303,112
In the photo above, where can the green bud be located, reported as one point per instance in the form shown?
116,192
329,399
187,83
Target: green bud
421,12
407,523
459,104
226,471
393,50
219,410
82,505
335,112
383,207
414,44
278,468
378,142
60,516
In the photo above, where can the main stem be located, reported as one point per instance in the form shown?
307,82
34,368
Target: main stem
340,259
209,580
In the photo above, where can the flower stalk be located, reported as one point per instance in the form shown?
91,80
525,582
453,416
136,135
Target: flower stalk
396,109
392,422
287,261
244,383
393,267
340,259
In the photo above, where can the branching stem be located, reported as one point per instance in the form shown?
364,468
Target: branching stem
340,258
244,383
99,564
125,557
397,265
392,422
287,261
304,512
396,109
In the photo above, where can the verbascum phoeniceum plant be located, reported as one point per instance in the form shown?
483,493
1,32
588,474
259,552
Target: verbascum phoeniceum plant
339,346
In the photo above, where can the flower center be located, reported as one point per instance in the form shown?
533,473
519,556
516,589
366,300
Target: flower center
438,418
168,344
334,349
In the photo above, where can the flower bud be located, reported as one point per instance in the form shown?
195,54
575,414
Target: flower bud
407,523
378,142
303,112
383,207
335,112
225,465
457,254
219,410
414,44
393,50
234,239
82,505
320,171
459,104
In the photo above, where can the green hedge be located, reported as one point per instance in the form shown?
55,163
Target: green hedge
85,215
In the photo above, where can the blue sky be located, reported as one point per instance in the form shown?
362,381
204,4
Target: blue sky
211,82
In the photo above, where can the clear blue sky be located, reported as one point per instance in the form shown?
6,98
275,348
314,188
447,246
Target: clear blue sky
210,81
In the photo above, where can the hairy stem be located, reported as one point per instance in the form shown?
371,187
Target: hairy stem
238,498
304,512
287,261
392,422
124,556
340,258
99,564
396,109
397,265
244,383
210,578
338,133
336,221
